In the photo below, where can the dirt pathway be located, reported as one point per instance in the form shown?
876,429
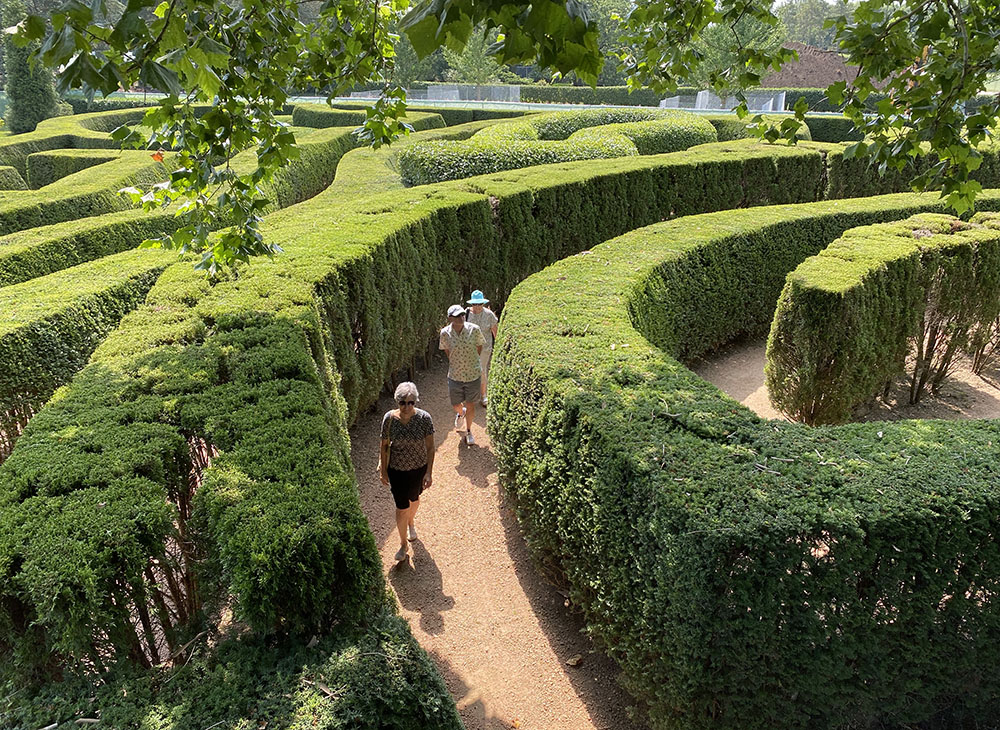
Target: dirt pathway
738,369
499,633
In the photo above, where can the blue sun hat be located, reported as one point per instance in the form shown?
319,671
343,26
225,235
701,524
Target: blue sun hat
478,298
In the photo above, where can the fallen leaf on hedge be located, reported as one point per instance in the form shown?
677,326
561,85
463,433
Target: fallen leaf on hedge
574,660
158,155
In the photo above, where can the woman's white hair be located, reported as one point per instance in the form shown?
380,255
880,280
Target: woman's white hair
407,389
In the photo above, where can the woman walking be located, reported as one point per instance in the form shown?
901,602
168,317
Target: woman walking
406,459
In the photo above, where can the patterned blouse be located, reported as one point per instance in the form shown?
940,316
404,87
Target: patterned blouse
463,364
407,449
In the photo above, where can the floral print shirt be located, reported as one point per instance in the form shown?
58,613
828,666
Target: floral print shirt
464,360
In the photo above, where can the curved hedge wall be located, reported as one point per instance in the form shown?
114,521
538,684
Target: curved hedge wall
205,443
245,372
557,137
10,179
848,317
744,573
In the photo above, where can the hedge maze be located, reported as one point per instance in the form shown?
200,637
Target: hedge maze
176,452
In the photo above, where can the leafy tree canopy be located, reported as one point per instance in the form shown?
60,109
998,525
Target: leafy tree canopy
805,21
930,57
241,57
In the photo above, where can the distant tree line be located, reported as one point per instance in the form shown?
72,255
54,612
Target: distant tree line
799,20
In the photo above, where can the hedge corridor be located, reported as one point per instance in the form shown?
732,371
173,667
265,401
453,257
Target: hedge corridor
744,573
198,465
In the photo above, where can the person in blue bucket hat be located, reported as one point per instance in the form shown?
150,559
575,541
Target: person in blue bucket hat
481,316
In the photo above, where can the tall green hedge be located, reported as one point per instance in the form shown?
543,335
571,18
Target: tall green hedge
35,251
10,179
278,495
80,195
81,105
373,677
50,325
29,86
268,370
831,128
848,317
86,131
215,416
743,573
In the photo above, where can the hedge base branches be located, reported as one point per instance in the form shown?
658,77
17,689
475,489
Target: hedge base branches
878,300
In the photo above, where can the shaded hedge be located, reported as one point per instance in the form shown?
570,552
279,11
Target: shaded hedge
588,134
81,105
832,128
848,317
10,179
374,678
43,168
743,573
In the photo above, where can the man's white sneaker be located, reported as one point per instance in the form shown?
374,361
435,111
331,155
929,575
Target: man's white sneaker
469,438
411,533
401,554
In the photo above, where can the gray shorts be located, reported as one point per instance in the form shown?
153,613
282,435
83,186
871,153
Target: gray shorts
460,392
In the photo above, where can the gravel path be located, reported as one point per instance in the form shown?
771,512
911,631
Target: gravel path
738,369
499,633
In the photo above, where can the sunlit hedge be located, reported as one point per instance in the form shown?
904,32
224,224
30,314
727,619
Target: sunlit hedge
848,317
557,137
744,573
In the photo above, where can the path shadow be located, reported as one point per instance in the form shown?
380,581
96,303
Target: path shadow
736,368
420,588
595,678
475,463
473,711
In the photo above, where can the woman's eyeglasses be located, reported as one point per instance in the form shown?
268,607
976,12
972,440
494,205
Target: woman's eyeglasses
407,402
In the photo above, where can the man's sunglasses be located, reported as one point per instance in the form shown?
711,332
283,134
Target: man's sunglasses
407,402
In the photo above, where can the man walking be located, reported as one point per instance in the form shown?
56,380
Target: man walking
462,343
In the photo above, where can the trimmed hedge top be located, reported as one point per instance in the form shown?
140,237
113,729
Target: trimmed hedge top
849,316
557,137
268,370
